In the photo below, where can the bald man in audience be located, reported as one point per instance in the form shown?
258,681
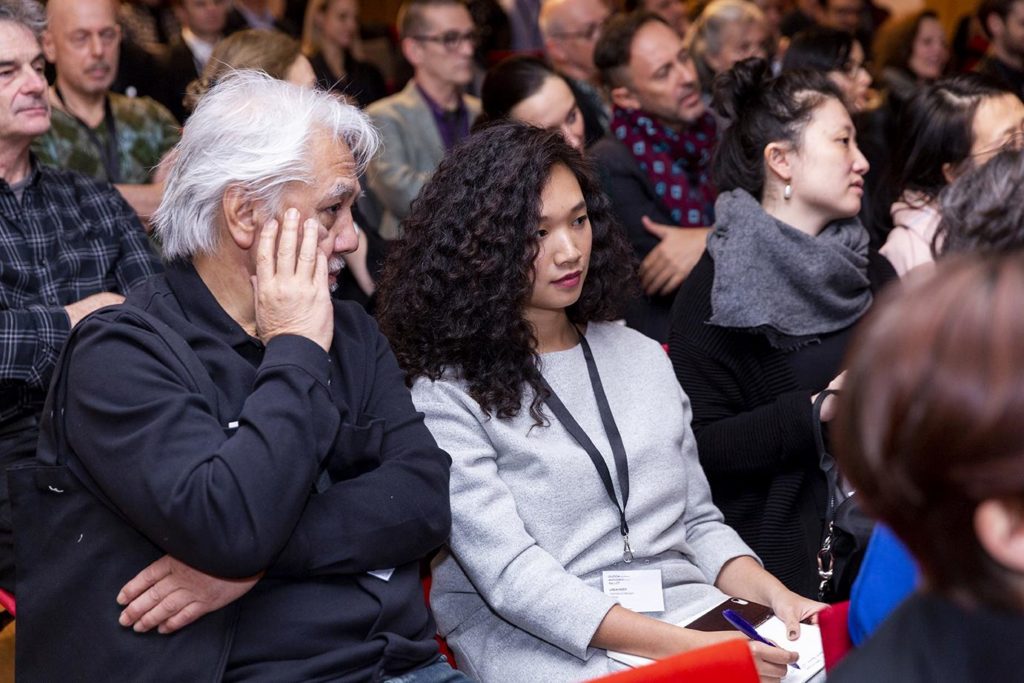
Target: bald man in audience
571,29
432,113
104,135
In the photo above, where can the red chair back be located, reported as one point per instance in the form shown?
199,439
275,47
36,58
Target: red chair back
7,602
728,662
835,633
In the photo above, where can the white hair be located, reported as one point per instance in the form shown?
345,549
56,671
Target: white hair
253,131
27,13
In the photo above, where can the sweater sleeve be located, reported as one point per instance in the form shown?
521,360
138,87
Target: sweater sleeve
520,581
713,542
733,438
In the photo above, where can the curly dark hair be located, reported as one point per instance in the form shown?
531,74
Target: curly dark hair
453,289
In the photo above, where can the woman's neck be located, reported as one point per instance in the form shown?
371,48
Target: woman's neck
334,57
553,330
793,214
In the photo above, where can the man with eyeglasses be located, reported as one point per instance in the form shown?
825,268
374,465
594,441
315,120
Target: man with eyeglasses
432,113
571,29
104,135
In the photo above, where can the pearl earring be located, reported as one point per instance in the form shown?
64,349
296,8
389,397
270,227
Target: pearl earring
787,192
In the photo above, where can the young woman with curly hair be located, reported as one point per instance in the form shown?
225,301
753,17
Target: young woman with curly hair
570,439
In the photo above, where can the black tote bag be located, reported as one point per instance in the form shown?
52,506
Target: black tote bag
74,551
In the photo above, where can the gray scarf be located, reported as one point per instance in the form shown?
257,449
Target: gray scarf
772,278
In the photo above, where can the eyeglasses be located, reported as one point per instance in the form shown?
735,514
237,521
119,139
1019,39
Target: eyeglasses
589,32
452,40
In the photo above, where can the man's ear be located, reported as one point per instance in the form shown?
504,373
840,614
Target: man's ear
49,49
623,98
240,216
999,526
412,51
777,158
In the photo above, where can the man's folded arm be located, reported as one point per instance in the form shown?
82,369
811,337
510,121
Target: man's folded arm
30,342
221,499
389,516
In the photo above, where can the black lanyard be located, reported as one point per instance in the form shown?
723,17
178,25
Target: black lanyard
614,438
110,156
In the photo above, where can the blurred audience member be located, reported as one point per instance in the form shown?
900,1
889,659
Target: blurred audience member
99,133
432,113
674,12
329,38
656,163
523,18
844,15
273,52
526,89
910,51
571,29
947,129
265,14
982,211
150,24
1003,22
726,32
202,27
929,432
839,55
804,15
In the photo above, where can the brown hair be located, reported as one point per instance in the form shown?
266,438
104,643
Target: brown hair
929,424
411,20
894,43
270,51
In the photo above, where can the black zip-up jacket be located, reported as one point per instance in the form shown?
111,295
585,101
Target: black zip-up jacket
230,490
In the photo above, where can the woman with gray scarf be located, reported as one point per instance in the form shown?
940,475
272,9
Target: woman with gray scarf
760,326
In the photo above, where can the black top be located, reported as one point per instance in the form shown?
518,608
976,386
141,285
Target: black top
1002,73
930,639
362,82
754,427
229,489
633,196
177,70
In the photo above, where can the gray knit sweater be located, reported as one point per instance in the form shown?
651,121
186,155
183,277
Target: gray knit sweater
519,594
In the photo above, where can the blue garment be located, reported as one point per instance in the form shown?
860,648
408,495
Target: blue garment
887,576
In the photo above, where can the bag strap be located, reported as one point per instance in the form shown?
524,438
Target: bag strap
825,459
56,402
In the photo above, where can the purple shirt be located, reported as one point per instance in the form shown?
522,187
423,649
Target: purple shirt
453,125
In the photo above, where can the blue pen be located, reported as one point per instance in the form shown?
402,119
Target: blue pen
748,629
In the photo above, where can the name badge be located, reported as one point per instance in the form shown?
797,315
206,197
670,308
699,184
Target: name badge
382,574
639,590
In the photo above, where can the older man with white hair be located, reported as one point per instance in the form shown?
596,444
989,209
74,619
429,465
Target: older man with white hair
257,435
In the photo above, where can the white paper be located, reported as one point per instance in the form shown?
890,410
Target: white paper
808,646
638,590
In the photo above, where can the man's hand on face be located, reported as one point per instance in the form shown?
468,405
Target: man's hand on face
169,595
290,285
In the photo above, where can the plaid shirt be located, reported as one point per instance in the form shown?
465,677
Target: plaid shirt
70,237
